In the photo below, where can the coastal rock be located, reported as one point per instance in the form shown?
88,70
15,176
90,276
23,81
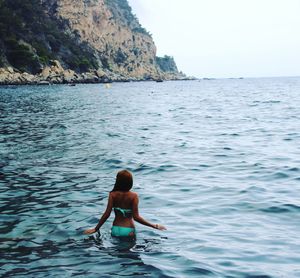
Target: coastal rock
69,76
3,75
87,40
56,74
11,77
100,73
27,78
10,70
43,83
89,77
45,73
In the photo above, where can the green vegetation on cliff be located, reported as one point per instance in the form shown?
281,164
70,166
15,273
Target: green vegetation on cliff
166,64
122,11
29,38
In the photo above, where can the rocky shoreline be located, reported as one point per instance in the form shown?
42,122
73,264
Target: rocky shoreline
56,74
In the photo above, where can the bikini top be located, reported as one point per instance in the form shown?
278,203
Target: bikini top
123,211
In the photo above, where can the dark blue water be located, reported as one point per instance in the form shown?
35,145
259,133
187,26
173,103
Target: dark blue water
217,162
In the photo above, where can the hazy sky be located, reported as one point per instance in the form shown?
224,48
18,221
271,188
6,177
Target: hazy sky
225,38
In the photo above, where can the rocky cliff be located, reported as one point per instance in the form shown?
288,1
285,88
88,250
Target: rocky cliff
77,41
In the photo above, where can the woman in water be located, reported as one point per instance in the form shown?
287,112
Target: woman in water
125,204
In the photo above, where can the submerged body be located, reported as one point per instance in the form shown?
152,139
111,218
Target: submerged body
125,205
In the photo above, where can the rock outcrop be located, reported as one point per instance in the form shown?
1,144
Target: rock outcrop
79,41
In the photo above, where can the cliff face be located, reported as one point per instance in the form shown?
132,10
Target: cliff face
83,35
120,43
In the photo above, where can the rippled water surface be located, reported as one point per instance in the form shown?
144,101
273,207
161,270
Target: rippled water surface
216,161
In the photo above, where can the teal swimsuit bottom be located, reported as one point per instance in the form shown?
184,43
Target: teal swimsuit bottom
119,231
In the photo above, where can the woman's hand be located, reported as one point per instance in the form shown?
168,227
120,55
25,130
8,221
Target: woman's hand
160,227
89,231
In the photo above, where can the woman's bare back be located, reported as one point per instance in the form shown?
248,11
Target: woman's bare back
123,200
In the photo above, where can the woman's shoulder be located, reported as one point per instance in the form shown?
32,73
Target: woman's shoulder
134,194
130,193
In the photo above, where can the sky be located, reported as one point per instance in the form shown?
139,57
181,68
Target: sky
225,38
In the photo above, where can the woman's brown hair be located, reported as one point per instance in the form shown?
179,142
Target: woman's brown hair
124,181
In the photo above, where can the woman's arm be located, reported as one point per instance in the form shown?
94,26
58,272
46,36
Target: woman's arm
104,217
141,220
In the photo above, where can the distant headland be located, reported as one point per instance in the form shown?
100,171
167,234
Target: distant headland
77,41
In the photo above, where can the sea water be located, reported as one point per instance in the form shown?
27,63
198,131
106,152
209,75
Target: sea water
215,161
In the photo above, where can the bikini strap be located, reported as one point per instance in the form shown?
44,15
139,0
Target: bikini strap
123,211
